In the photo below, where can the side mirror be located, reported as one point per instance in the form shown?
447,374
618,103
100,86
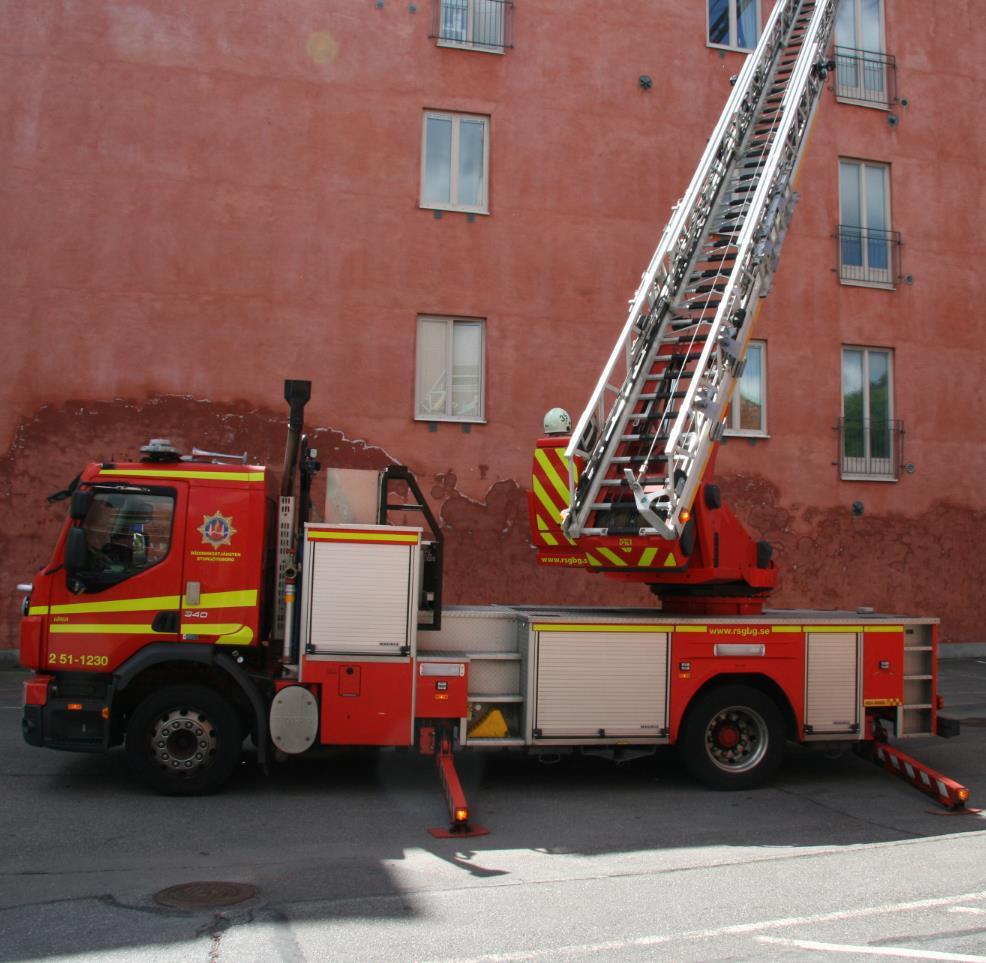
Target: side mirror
80,505
76,550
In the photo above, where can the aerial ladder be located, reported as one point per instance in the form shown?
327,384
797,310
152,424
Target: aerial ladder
639,503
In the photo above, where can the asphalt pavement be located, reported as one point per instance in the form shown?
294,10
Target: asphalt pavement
584,859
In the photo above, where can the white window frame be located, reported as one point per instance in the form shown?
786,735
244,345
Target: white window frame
879,278
890,474
733,418
858,95
469,43
421,391
453,205
733,28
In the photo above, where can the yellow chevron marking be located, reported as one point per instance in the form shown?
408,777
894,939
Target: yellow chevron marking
670,562
554,512
249,476
647,557
612,557
592,560
548,468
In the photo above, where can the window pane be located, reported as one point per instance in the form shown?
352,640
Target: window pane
432,372
876,198
471,154
719,21
852,402
126,533
751,391
438,160
467,368
746,23
871,24
845,25
454,20
849,193
487,25
879,385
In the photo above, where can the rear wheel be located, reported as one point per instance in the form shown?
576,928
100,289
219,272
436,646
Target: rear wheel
184,740
732,738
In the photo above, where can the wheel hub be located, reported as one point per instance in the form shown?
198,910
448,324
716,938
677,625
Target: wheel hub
183,740
736,739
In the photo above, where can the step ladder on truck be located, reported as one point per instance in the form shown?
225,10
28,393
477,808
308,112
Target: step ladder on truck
190,602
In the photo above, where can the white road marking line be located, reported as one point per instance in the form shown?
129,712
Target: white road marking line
737,929
967,909
899,952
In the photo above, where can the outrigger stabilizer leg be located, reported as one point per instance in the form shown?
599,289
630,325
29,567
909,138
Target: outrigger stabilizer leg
439,744
946,792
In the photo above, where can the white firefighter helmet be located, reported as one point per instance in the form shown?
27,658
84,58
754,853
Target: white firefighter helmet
557,422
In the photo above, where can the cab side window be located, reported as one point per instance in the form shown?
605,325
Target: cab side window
126,533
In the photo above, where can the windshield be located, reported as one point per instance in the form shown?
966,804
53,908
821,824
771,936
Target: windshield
126,533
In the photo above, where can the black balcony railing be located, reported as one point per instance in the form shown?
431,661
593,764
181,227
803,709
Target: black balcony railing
865,77
868,255
870,448
478,24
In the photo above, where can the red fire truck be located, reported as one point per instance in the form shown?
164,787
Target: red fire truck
190,603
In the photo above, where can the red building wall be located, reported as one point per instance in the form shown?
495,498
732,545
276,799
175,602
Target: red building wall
203,199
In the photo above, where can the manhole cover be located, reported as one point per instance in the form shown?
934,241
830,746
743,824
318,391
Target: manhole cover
205,895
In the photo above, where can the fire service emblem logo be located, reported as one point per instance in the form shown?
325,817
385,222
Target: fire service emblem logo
217,530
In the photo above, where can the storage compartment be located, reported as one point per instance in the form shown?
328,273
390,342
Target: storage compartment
832,683
606,683
357,596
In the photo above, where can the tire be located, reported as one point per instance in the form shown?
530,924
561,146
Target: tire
184,741
732,738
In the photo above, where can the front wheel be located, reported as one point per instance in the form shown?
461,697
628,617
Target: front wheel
184,740
732,738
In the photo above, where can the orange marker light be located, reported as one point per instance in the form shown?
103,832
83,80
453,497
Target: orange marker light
75,706
461,815
963,795
685,516
105,712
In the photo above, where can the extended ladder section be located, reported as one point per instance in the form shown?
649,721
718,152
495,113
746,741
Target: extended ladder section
639,451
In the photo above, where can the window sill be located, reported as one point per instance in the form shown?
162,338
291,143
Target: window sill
860,102
740,433
455,209
451,419
868,478
467,45
879,285
731,49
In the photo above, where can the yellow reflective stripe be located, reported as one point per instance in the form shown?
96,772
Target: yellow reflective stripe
223,600
785,628
549,470
405,538
592,560
553,627
242,636
213,628
612,557
691,628
248,476
92,628
122,605
883,628
833,628
647,557
670,561
38,610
